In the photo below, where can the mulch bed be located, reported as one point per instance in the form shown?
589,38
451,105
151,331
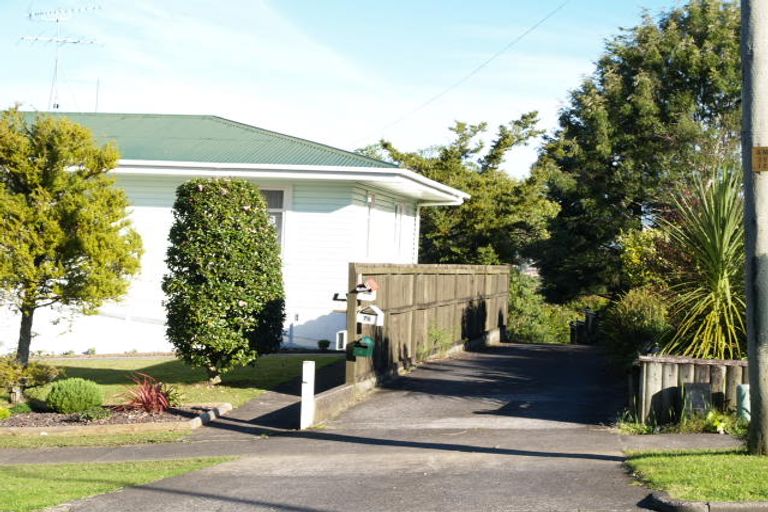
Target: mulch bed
52,419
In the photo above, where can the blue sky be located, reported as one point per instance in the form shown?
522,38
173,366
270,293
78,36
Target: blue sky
340,72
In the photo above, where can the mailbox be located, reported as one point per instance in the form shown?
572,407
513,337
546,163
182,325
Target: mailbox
363,347
371,315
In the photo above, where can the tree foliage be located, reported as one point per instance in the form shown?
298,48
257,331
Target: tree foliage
64,234
661,106
225,302
503,215
531,318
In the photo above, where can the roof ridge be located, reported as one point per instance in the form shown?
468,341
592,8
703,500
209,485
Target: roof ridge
302,141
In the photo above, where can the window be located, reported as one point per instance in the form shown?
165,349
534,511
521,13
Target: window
275,202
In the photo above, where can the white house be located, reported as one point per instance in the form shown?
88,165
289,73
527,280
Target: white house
330,206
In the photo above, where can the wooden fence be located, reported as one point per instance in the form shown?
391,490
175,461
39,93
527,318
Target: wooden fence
428,308
657,383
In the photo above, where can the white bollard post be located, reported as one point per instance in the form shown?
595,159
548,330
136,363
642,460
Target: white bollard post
307,395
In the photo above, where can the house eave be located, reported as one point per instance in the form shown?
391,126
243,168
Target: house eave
402,181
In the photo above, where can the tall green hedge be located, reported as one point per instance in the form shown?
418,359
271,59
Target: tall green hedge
225,301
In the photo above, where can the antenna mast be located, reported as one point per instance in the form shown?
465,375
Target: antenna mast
57,16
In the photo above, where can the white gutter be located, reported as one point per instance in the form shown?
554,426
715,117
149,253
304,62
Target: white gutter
327,172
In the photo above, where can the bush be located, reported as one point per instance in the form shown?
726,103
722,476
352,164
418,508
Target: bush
14,374
21,409
638,320
150,395
323,344
37,396
531,318
5,413
74,395
225,302
95,414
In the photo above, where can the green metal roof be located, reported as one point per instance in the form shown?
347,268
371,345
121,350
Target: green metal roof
194,138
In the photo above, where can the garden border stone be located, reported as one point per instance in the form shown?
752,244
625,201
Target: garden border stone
214,411
663,502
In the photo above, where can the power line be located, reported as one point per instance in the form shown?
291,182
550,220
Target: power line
477,69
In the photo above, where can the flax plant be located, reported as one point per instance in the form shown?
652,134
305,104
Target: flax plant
708,295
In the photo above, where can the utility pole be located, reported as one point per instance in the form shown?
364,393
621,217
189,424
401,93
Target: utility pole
754,154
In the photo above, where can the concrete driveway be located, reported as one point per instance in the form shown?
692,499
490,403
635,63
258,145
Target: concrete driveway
518,427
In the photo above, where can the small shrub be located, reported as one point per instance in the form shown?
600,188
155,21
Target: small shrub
14,374
714,422
95,414
37,396
323,344
175,396
531,318
637,320
74,395
629,425
150,395
5,413
90,352
21,409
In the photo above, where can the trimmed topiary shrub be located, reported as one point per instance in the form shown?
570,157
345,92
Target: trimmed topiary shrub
74,395
637,321
225,299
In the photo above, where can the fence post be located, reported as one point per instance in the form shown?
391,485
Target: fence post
307,395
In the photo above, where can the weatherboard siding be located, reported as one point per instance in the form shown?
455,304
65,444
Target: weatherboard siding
325,227
320,235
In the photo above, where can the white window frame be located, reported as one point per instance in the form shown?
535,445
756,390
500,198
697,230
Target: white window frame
287,191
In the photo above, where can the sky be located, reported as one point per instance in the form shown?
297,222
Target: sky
342,72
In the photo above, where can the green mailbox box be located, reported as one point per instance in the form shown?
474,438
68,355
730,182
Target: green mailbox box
364,347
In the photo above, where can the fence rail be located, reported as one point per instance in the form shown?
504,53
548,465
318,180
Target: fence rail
427,308
657,383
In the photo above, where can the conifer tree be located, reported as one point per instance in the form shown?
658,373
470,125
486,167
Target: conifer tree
65,239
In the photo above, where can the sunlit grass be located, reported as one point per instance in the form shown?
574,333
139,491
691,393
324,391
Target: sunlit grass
27,487
704,475
237,386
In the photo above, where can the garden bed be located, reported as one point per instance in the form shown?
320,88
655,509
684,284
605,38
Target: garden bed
174,419
118,417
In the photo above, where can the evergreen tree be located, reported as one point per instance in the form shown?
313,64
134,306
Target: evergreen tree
503,215
225,301
661,106
64,234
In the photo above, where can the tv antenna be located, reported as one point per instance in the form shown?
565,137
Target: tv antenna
58,16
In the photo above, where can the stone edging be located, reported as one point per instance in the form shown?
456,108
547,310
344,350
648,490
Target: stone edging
662,502
204,418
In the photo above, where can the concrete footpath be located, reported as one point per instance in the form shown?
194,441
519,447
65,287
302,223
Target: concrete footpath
519,427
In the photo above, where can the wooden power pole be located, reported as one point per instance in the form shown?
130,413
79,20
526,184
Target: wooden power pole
754,148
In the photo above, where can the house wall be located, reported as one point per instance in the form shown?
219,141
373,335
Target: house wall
325,224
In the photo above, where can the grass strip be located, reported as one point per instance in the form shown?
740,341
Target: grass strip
28,487
237,387
703,475
61,441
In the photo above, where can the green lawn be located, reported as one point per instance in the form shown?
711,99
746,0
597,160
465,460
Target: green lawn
237,387
704,475
27,487
60,441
